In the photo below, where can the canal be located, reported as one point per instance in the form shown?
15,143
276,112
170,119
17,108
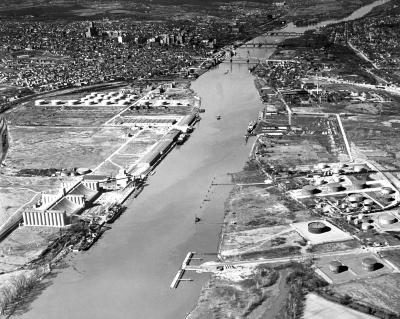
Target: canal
128,272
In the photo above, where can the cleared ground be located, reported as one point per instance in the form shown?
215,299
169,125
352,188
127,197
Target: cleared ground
381,291
317,307
260,239
41,147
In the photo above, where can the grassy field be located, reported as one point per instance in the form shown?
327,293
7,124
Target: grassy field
42,147
382,292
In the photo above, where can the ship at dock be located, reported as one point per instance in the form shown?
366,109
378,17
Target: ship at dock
252,125
113,213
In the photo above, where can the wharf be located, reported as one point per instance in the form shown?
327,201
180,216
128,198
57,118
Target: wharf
178,277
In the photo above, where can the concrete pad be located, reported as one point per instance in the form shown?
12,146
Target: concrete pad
319,308
355,269
335,234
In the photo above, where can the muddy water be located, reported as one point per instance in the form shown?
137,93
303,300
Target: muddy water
128,272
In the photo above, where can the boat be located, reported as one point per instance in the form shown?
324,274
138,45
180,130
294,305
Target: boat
113,213
219,117
197,219
252,125
181,138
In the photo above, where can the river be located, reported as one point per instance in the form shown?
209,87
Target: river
128,272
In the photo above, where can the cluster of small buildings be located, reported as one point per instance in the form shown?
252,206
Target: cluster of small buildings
376,37
51,55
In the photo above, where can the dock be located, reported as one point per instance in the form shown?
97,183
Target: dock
179,275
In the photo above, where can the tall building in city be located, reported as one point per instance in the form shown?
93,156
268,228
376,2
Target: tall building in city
91,31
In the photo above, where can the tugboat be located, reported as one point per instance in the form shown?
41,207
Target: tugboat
252,125
219,117
113,213
181,138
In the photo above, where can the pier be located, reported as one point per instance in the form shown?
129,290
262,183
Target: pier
178,277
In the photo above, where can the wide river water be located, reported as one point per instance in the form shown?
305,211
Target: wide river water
128,272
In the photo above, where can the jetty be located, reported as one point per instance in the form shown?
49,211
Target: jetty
179,275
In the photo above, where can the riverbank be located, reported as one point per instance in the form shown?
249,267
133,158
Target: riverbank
143,141
257,217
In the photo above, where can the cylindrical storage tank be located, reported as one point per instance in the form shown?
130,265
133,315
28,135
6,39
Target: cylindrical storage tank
359,168
348,210
318,228
335,187
321,166
368,202
338,178
355,205
366,208
369,263
356,221
360,216
335,266
343,205
367,220
349,218
359,185
310,190
355,198
83,170
387,190
366,226
387,219
336,170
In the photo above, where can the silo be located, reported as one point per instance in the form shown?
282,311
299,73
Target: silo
369,264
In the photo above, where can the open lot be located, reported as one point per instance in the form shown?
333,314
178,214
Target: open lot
317,307
380,291
74,116
42,147
260,239
24,245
